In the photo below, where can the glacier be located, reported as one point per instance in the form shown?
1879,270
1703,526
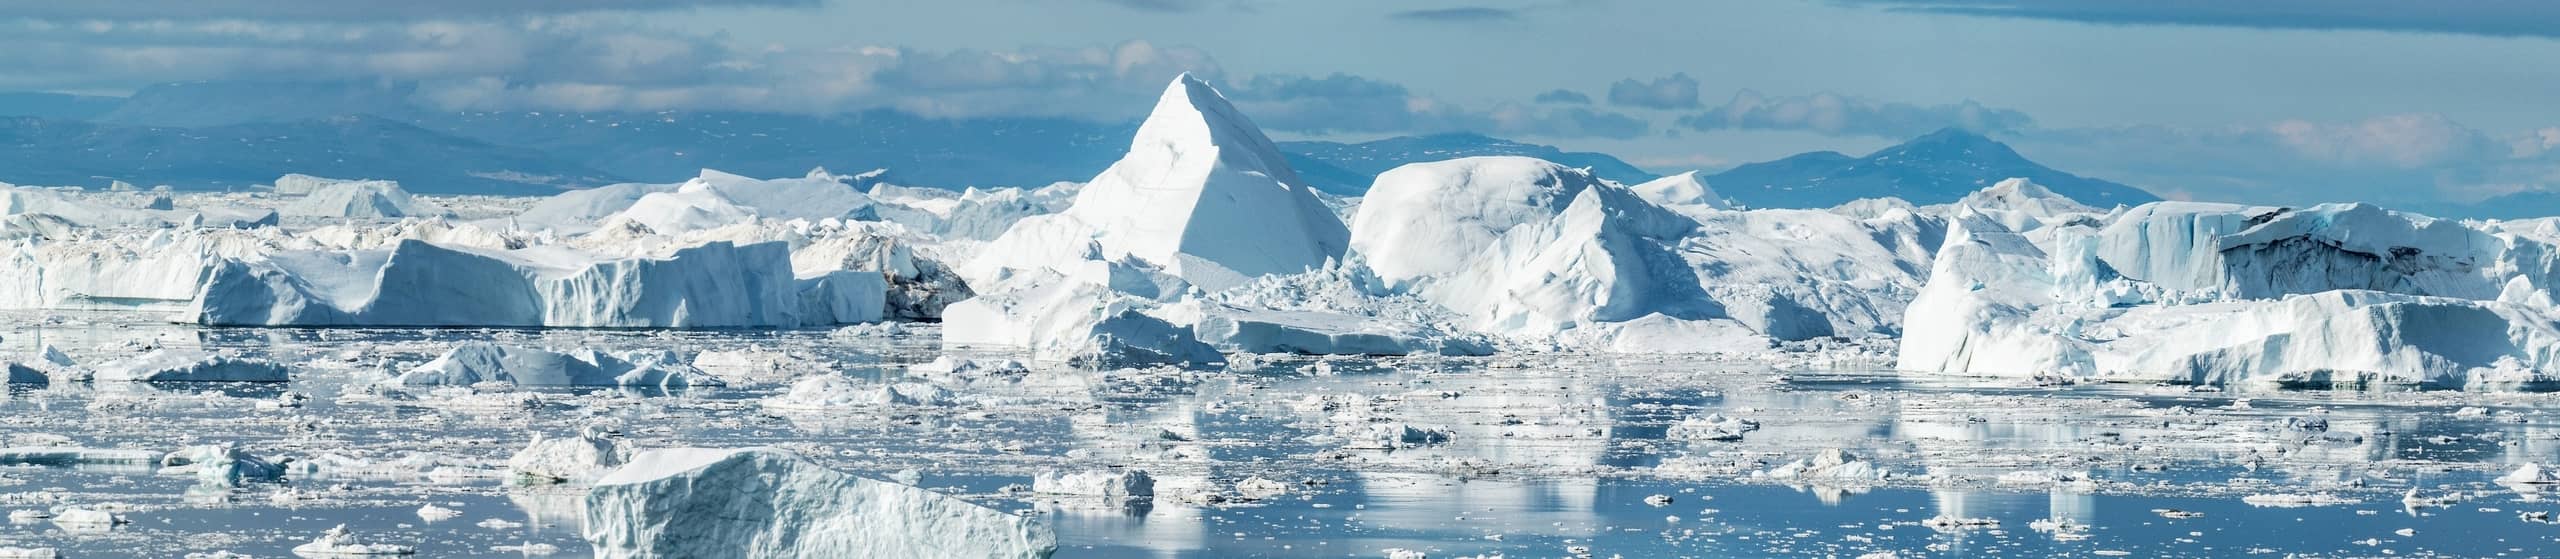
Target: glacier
758,502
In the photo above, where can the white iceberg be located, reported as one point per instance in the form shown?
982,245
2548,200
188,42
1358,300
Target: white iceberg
181,365
340,542
695,502
2333,296
332,198
415,283
1072,321
1096,483
1530,250
220,464
1201,194
588,456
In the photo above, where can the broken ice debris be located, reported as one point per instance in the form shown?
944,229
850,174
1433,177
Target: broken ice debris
474,363
339,542
176,365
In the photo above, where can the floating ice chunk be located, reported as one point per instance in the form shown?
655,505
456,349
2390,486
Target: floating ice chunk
957,367
2531,473
1072,321
831,392
1260,488
1097,483
1713,427
2296,500
821,392
11,552
476,362
1395,435
568,459
1945,523
432,513
695,502
1402,553
1321,333
1831,465
339,542
220,464
78,519
178,365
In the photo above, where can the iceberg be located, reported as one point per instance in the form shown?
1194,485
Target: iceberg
220,464
179,365
332,198
758,502
711,199
1531,250
415,283
1201,194
586,457
474,363
2332,296
1073,321
25,201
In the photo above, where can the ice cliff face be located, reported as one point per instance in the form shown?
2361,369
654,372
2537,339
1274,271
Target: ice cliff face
2340,295
696,502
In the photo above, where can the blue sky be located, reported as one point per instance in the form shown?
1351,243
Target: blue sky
2280,101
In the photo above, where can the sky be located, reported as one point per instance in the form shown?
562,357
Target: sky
2270,101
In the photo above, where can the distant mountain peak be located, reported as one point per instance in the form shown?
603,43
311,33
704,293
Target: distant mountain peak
1935,168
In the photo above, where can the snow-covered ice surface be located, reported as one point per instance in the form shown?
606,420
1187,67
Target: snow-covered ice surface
1517,453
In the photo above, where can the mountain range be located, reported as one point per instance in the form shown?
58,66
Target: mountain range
219,135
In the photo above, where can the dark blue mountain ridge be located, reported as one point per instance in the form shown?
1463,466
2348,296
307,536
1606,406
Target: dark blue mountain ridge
1935,168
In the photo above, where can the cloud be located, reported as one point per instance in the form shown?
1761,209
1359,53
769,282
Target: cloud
1469,14
1344,104
1564,96
2503,18
592,62
1838,115
350,10
2416,160
1676,91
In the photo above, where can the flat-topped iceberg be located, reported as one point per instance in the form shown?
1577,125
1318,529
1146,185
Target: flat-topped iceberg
2337,295
756,502
415,283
